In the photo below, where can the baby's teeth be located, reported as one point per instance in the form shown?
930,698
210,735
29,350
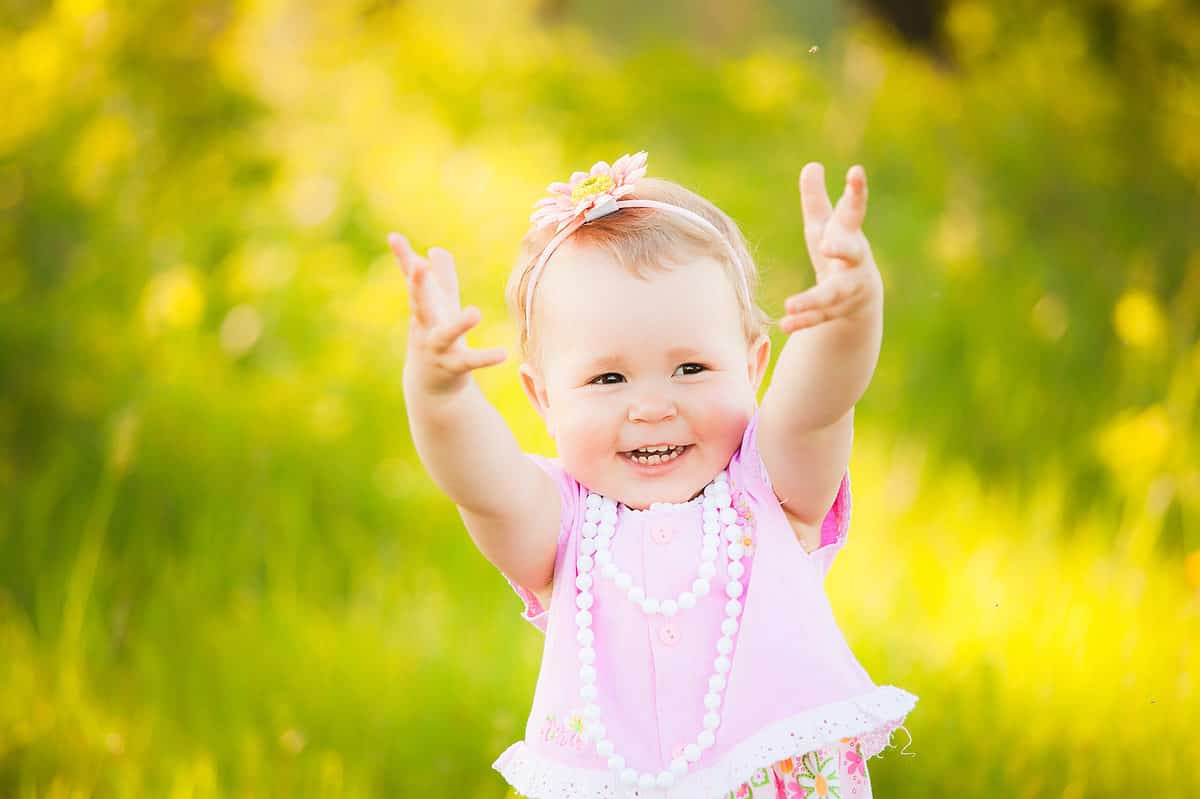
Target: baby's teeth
653,459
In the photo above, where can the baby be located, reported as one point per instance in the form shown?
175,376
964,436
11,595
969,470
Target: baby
669,669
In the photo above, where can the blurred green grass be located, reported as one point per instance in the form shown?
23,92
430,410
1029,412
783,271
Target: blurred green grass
223,571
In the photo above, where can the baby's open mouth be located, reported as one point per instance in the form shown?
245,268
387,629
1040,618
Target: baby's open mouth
653,455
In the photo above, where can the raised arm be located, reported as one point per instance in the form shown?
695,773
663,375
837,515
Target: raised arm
836,329
508,504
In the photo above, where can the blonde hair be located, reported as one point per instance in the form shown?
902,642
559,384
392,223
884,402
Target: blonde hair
643,240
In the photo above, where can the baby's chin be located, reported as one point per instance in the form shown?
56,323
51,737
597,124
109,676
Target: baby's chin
640,493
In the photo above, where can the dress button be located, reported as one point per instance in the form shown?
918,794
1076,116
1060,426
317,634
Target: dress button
661,533
669,634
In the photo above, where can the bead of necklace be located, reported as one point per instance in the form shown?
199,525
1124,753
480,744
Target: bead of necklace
595,550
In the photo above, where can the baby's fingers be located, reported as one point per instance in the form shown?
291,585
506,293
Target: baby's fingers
422,303
404,253
469,360
849,248
822,295
441,263
457,360
443,338
815,205
836,297
416,273
852,205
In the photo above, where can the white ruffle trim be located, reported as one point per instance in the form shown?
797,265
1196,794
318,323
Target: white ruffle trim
872,717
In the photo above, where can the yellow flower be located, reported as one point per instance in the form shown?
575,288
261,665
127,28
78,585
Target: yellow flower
596,184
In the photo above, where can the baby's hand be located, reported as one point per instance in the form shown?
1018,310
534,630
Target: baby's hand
848,282
439,360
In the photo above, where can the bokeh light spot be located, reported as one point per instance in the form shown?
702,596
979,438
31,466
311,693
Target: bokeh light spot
173,298
240,330
1050,317
1139,320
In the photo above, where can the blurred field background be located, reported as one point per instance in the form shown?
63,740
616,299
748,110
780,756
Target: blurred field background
223,572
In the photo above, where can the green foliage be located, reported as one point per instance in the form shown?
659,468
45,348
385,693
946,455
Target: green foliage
223,571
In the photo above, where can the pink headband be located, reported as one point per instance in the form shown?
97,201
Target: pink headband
591,195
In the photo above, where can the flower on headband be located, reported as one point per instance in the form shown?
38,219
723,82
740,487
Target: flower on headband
588,190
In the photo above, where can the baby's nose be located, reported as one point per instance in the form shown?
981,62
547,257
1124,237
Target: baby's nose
652,409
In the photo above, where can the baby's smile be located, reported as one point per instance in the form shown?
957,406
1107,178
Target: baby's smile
658,463
664,453
648,466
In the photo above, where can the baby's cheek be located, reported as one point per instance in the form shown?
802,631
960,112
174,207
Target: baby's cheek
723,416
587,437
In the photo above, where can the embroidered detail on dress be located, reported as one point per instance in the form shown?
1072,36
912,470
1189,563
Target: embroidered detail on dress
568,733
741,504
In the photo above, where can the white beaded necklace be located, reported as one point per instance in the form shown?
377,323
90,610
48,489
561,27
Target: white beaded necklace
601,517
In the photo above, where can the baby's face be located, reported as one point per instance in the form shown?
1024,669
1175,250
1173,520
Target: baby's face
629,363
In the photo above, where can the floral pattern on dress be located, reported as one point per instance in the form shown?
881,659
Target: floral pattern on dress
819,775
741,504
856,764
837,771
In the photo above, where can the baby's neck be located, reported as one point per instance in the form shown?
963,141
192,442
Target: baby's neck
657,502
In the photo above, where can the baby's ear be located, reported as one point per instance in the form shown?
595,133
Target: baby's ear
760,356
535,388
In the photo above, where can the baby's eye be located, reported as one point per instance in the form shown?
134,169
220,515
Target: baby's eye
599,379
699,368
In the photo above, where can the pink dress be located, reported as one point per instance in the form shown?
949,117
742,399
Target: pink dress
800,716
